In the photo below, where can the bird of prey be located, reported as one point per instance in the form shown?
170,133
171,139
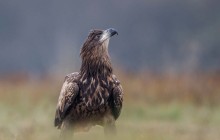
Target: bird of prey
94,95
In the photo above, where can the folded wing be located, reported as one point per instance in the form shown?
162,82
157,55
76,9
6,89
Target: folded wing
68,93
117,95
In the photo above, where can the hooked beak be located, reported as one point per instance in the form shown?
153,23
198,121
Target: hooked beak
112,31
107,34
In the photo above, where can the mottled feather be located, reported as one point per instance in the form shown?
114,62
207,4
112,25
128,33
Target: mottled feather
117,95
68,93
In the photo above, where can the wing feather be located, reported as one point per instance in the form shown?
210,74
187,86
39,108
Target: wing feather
117,95
68,93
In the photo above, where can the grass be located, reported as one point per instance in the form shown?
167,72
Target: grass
27,112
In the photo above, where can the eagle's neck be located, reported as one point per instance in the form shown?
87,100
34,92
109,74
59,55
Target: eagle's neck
97,66
96,63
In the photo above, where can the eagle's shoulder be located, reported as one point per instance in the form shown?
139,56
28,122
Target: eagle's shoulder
72,77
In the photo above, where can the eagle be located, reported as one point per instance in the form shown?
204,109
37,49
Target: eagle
94,95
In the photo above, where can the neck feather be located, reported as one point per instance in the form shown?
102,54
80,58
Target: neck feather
95,65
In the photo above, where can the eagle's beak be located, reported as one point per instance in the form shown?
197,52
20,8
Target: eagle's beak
107,34
112,31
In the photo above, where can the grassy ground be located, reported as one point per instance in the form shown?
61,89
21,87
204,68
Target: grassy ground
27,113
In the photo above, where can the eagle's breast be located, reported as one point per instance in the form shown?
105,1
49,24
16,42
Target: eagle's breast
93,99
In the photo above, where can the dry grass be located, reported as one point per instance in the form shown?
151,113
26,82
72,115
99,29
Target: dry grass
155,108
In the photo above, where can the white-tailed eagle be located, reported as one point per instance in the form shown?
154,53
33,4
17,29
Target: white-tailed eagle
94,95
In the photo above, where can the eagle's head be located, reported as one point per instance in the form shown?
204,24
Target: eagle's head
97,41
94,52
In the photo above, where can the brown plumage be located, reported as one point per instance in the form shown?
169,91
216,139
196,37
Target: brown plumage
94,95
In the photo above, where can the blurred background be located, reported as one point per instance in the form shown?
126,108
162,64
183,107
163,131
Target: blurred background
167,57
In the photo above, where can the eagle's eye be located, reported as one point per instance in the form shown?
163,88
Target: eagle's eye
97,36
